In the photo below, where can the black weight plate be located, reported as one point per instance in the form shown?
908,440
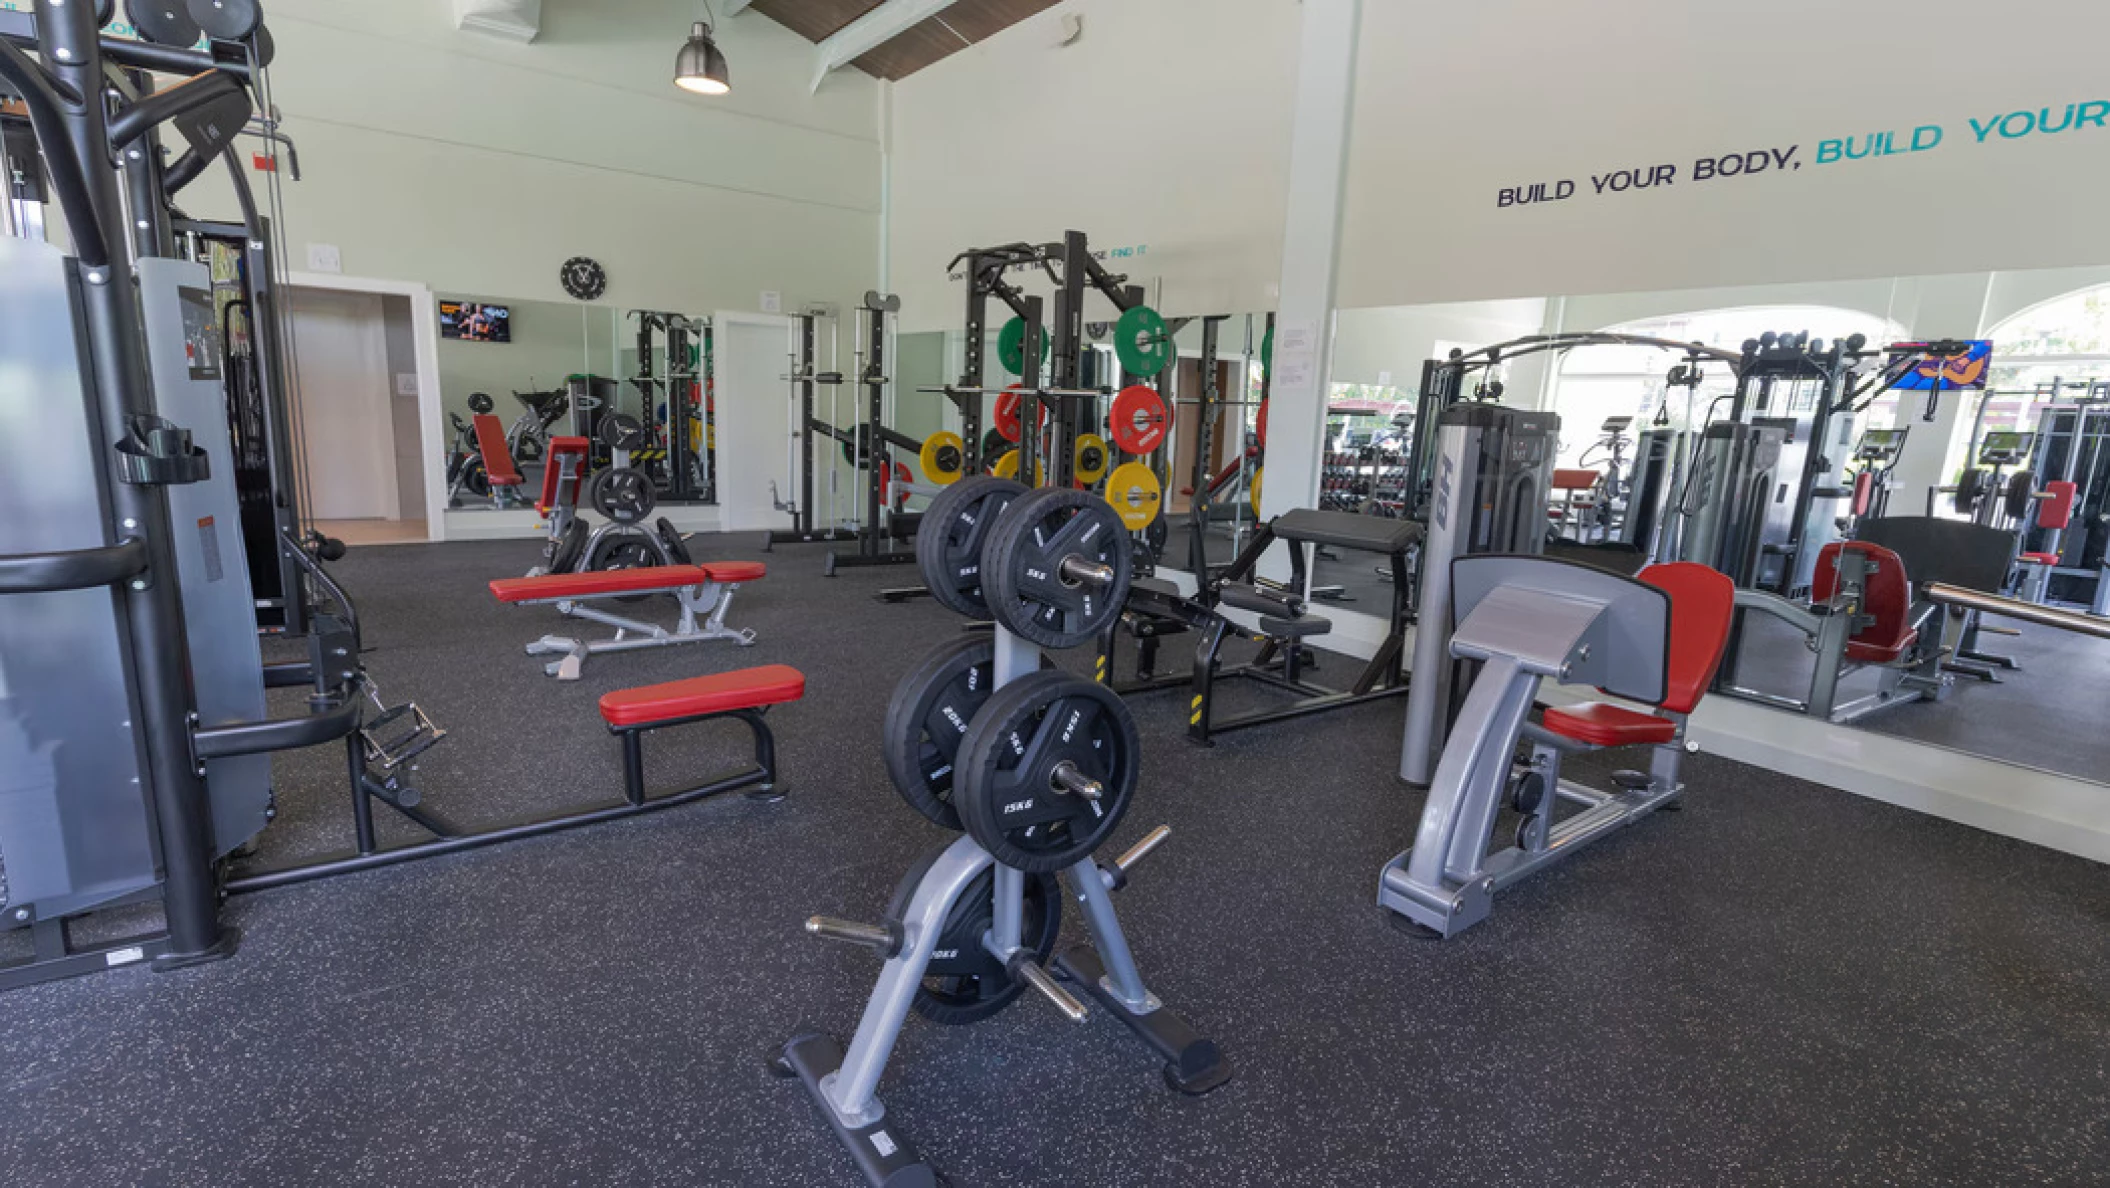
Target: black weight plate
1021,566
266,49
949,539
164,22
1969,486
964,982
623,494
475,479
226,20
994,443
671,540
1002,787
625,552
859,453
930,710
1157,534
2021,492
569,549
621,431
480,402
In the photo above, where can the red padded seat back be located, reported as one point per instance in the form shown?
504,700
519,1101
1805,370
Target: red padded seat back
1887,599
1574,478
491,443
559,448
2057,511
1702,607
1864,492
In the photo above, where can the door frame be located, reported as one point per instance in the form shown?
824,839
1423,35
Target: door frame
425,335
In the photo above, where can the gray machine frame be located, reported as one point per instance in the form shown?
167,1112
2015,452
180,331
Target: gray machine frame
1526,620
1490,482
844,1082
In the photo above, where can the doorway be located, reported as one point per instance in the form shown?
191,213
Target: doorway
355,421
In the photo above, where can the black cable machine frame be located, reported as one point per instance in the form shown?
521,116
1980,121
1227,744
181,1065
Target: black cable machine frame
162,630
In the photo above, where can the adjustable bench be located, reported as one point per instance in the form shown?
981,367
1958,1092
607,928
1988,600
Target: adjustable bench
702,590
746,695
499,467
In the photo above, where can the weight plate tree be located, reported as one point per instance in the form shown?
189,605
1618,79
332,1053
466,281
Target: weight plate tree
1047,770
1056,567
964,982
949,540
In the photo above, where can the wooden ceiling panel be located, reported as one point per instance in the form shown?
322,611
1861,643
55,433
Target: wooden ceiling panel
961,24
814,20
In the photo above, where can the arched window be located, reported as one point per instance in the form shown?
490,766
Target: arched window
2059,349
1597,383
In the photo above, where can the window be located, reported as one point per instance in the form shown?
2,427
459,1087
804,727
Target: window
2060,348
1597,383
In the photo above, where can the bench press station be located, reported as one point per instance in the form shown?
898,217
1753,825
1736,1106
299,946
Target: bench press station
705,592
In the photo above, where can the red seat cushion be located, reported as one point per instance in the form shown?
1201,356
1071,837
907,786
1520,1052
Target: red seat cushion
559,448
1602,724
732,573
2042,558
608,581
1880,653
749,688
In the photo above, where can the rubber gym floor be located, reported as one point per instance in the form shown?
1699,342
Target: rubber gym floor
1780,985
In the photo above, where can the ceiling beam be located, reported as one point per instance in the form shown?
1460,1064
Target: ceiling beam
871,31
734,8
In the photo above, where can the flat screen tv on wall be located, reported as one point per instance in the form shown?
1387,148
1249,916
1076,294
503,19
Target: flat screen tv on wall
472,321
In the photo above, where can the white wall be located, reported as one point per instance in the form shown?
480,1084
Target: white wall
478,166
1458,101
1166,126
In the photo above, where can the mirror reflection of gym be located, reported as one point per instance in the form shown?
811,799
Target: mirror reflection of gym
1870,485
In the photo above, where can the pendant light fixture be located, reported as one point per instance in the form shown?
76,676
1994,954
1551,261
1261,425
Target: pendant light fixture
699,67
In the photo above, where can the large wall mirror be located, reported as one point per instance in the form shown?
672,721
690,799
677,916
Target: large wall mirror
1834,446
637,384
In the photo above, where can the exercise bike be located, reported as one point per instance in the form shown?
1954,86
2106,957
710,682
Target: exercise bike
465,463
528,438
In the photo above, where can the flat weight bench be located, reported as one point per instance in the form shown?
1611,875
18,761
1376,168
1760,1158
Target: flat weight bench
704,591
746,695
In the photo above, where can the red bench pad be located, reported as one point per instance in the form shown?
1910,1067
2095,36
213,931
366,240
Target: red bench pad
607,581
2042,558
491,446
749,688
732,573
1602,724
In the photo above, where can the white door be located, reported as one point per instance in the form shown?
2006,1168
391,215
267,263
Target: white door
750,355
342,412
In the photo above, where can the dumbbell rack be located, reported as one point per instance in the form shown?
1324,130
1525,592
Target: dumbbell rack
844,1083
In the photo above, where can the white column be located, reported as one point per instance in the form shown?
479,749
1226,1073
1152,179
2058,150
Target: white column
1311,238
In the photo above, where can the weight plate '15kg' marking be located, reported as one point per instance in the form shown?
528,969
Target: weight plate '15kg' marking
1047,770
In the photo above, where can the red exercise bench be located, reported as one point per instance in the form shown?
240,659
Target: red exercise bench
746,695
702,590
